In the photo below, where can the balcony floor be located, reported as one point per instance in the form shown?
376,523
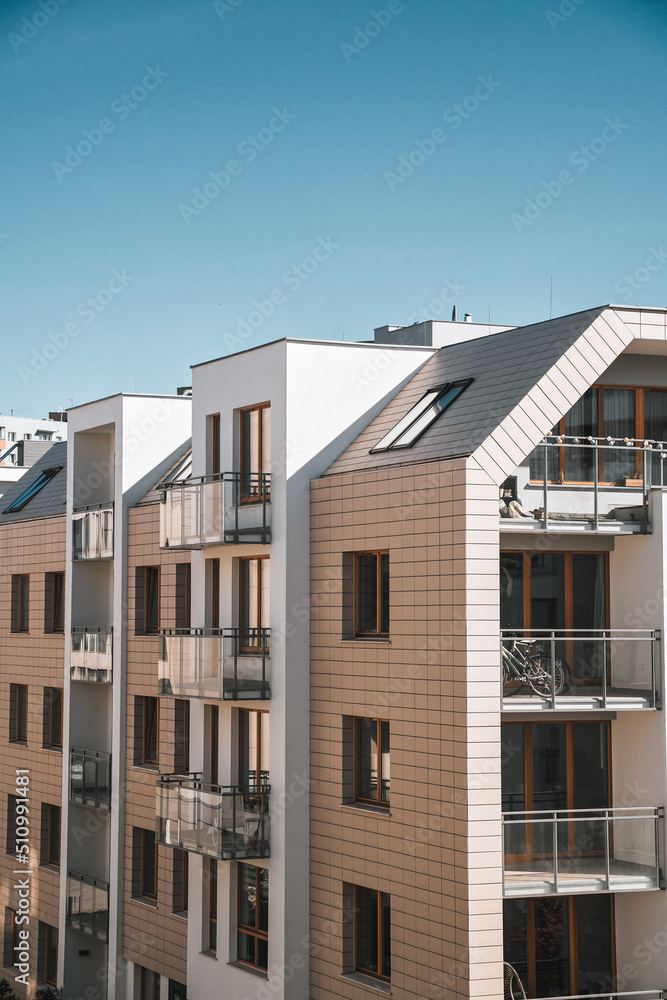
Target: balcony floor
575,526
536,878
528,702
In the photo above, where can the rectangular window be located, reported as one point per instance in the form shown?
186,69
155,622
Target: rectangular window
147,600
253,748
213,444
253,916
372,933
47,959
372,761
20,602
148,864
10,938
212,585
53,718
54,602
50,835
255,452
151,721
183,595
181,736
255,578
212,737
420,417
11,845
149,984
18,713
180,882
211,876
372,594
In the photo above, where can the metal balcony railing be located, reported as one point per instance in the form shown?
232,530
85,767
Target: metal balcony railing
570,668
582,850
643,994
225,664
92,532
226,822
91,654
88,905
224,509
90,778
589,465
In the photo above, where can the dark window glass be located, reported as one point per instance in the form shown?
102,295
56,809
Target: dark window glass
151,724
149,985
183,592
53,716
148,864
511,590
255,452
38,484
373,766
253,916
152,601
373,593
58,621
254,601
618,416
18,711
212,905
254,748
373,944
53,835
51,956
180,881
182,736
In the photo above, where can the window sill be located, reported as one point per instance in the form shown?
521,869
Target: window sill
53,749
153,768
373,984
145,900
180,913
367,808
49,866
18,743
259,973
366,638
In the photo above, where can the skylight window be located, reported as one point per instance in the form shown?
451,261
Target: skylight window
422,415
23,498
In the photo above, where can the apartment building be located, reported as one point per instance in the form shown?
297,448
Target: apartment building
363,679
25,439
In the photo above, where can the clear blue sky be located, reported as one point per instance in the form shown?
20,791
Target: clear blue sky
323,173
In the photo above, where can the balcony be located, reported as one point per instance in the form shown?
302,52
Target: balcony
582,850
88,905
225,822
90,778
223,664
224,509
584,484
91,654
580,669
92,532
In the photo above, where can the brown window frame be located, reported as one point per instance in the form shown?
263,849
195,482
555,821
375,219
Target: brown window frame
180,881
22,623
214,741
151,591
144,987
50,974
378,633
53,821
182,735
53,718
259,934
244,780
213,580
183,600
249,647
58,603
248,493
18,694
214,442
384,978
145,834
378,801
146,734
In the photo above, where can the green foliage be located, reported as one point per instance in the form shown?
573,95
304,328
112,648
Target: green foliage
6,992
48,993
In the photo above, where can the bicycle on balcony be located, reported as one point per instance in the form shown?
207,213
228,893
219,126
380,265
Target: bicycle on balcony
528,663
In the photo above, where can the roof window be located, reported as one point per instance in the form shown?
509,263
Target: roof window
432,404
23,498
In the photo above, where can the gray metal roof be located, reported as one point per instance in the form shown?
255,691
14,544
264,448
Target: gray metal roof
51,499
505,367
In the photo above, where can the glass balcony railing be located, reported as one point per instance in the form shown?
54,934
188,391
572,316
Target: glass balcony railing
88,905
224,509
582,850
580,668
637,995
90,778
225,664
226,822
92,532
91,654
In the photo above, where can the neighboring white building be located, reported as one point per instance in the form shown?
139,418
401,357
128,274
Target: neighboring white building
23,440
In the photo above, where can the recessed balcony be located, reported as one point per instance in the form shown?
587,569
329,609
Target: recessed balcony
92,532
225,822
223,664
549,852
225,509
580,669
88,905
91,654
90,778
574,484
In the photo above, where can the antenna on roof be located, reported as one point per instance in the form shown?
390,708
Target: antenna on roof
551,297
453,314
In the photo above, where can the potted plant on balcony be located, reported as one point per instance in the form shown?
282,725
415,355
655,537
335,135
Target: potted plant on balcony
631,479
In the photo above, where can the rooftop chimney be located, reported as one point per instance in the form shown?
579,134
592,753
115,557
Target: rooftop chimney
467,318
453,314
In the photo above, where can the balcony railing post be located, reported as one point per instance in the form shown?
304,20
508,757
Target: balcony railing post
654,680
552,646
645,485
596,486
237,505
607,857
546,489
555,850
604,671
656,823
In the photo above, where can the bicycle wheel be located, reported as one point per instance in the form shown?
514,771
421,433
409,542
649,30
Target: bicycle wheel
539,675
